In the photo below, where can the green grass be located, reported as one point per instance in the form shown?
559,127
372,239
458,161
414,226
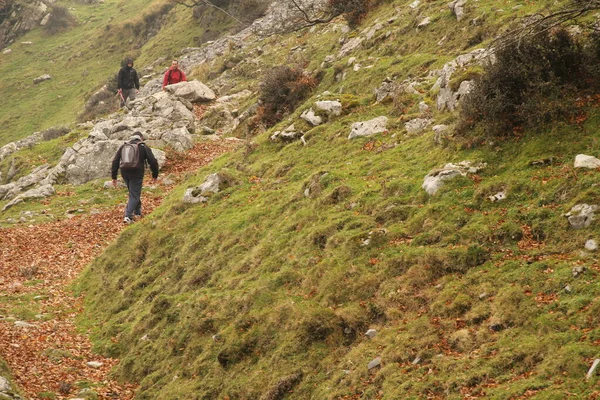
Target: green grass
262,282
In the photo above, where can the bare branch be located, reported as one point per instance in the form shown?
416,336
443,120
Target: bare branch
196,3
536,24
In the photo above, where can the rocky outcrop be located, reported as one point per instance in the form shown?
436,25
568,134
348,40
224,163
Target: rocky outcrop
436,178
22,17
214,183
368,128
448,98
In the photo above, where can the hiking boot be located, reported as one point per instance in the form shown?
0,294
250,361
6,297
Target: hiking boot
127,220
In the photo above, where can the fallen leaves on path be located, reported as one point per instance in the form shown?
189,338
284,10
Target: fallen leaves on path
47,354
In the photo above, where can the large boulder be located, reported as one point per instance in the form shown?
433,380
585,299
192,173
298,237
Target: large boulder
368,128
582,215
214,183
36,193
435,179
585,161
193,91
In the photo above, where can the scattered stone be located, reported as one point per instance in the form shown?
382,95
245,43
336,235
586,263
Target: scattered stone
192,91
310,117
7,51
424,22
592,369
584,161
416,361
415,4
483,296
457,7
371,333
23,324
4,384
591,245
417,125
581,215
330,107
374,363
497,197
542,163
567,289
440,134
94,364
214,183
579,270
368,128
424,107
436,178
288,135
42,78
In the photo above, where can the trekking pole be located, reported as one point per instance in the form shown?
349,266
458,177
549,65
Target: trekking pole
120,92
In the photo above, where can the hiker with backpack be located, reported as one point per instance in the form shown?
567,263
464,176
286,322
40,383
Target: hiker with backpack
173,75
128,82
131,158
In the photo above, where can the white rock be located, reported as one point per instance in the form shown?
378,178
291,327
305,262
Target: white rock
591,245
368,128
310,117
585,161
371,333
94,364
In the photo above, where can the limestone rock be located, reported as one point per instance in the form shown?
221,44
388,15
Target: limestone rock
193,91
37,193
436,178
368,128
457,7
214,183
581,215
330,107
584,161
417,125
310,117
287,135
42,78
374,363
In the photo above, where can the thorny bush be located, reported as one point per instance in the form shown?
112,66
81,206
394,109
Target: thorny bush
353,10
282,89
532,83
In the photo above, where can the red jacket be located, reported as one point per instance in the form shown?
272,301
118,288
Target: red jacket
173,76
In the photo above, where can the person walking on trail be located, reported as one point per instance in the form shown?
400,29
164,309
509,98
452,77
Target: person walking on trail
174,75
128,82
131,158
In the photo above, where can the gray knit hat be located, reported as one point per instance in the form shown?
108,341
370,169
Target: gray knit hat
137,135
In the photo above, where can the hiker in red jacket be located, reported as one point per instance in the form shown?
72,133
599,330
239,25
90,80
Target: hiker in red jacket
174,75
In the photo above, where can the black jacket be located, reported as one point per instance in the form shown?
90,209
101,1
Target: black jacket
145,155
128,78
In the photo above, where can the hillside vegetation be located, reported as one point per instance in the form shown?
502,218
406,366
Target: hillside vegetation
267,290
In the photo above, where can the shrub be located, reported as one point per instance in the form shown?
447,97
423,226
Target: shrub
353,10
60,20
282,89
102,102
249,10
530,84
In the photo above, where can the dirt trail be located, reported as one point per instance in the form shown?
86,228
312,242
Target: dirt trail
37,263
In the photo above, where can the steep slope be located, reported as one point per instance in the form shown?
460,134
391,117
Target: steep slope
268,289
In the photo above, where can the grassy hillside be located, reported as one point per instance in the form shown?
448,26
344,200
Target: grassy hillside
266,292
81,59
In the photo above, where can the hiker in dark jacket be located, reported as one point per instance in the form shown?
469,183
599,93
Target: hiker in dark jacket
128,82
134,177
174,75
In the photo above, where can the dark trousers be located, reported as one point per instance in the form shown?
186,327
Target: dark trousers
134,204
